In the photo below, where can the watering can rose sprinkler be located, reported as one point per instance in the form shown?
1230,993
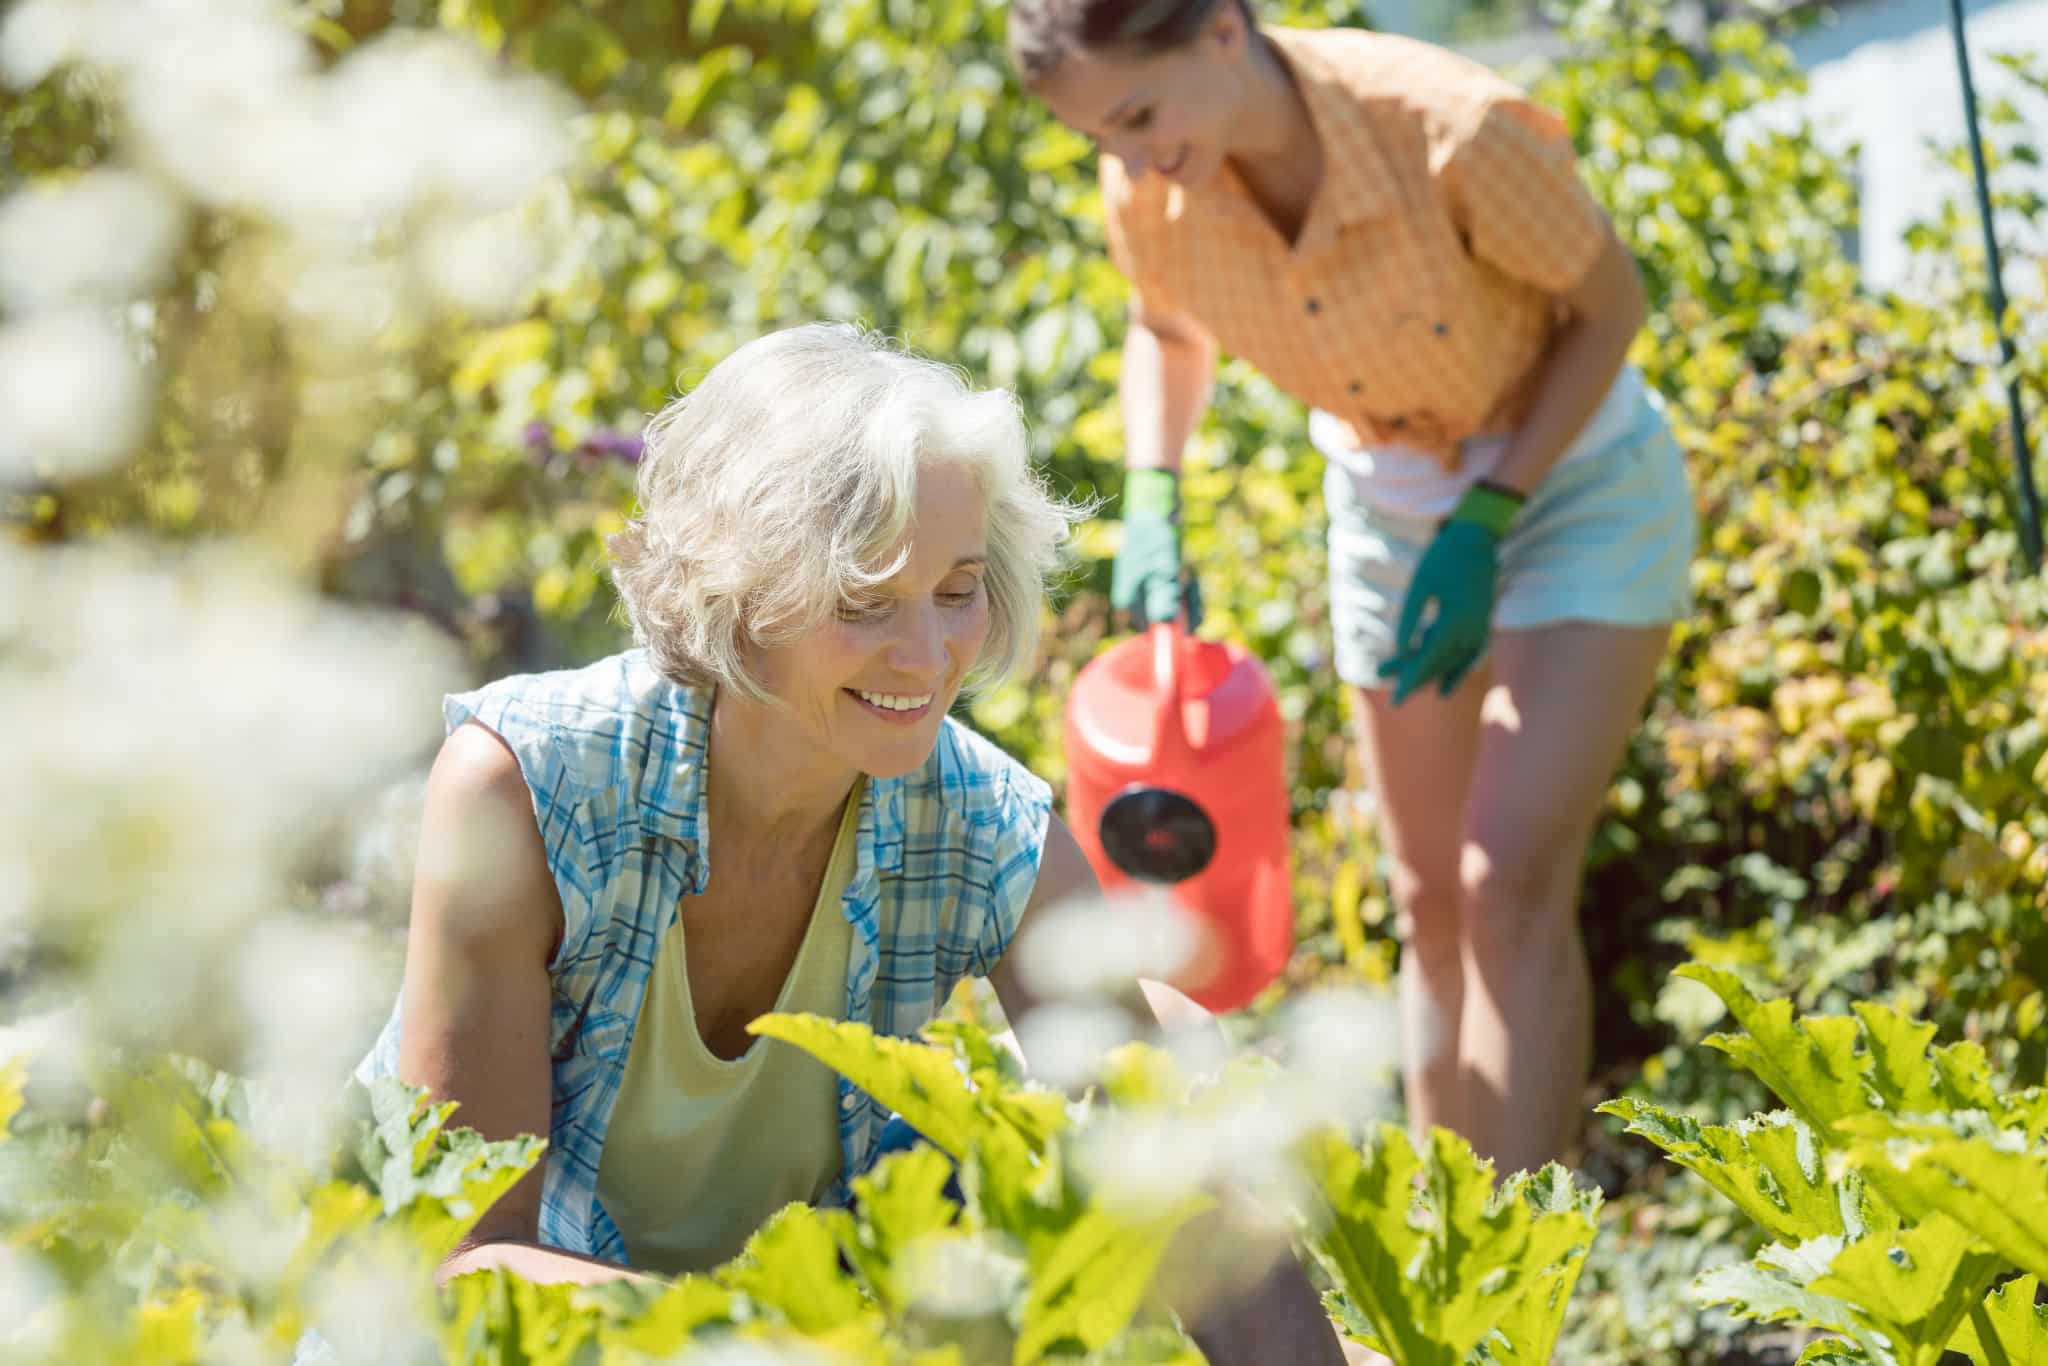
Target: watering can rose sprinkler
1176,768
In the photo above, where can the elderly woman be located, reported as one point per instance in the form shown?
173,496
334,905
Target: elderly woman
764,808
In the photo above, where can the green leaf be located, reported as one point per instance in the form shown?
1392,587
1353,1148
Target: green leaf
436,1181
1768,1294
791,1264
1527,1334
1811,1064
1992,1183
1769,1166
659,1327
2007,1329
1435,1274
13,1083
901,1203
1089,1283
918,1081
1916,1286
496,352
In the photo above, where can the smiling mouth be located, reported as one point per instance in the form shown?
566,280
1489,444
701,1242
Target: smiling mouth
893,706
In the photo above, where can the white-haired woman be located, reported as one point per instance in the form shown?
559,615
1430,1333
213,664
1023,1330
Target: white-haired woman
765,807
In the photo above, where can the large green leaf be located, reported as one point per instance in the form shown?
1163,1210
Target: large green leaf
791,1265
1992,1182
1770,1293
1087,1285
1434,1272
1527,1333
922,1083
2007,1329
1770,1166
436,1180
1915,1286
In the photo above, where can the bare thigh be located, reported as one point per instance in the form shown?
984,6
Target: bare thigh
1419,759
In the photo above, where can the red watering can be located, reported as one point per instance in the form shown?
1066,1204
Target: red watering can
1176,774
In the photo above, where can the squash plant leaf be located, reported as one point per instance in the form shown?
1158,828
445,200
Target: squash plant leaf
1770,1166
1435,1273
2007,1329
1993,1182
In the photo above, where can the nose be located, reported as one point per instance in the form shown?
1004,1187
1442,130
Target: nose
918,648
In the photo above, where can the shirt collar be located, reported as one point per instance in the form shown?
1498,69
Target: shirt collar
1358,183
677,812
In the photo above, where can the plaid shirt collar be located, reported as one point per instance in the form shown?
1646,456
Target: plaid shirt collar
677,815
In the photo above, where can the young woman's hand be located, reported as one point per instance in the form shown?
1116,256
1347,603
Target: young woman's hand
1458,575
1146,579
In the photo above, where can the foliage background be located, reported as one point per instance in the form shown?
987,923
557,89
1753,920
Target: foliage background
1837,787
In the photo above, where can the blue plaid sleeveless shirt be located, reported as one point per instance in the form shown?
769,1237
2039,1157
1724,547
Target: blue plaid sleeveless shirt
614,755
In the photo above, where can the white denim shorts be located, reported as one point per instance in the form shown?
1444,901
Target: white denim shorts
1608,537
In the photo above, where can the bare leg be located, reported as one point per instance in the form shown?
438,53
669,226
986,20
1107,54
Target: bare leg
1419,758
1564,700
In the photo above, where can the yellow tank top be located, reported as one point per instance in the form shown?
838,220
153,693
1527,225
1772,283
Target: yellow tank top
702,1149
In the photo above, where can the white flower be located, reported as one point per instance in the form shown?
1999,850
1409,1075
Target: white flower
106,237
73,398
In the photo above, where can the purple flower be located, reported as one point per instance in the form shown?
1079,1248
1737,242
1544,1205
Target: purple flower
624,447
540,442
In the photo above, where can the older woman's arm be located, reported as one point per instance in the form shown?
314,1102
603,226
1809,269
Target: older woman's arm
1272,1313
485,921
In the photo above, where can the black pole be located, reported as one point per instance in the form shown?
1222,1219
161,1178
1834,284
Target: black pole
2029,497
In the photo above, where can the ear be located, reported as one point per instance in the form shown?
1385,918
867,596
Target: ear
1227,27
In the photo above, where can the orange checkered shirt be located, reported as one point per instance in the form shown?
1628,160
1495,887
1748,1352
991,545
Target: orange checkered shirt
1418,300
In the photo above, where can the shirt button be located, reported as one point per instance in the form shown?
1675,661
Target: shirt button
1356,387
1443,329
1315,305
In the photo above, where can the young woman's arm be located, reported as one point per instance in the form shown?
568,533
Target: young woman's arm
1606,309
485,922
1169,363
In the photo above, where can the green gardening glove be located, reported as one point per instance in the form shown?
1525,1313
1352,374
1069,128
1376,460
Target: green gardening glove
1146,579
1457,577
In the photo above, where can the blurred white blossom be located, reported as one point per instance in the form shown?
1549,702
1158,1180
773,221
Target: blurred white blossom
367,1314
32,1304
1065,1042
106,237
395,179
73,398
481,266
309,993
199,721
1339,1050
961,1275
1095,947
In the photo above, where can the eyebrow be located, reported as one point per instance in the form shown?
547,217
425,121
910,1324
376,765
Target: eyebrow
1117,110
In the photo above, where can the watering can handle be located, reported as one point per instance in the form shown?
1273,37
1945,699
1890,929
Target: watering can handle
1167,732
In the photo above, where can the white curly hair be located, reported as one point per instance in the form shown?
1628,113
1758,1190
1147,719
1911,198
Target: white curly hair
783,485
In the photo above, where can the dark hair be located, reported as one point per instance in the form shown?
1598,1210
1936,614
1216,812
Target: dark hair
1044,31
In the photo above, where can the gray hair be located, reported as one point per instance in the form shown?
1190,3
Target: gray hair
784,483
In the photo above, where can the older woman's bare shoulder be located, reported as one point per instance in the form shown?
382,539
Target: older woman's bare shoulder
481,866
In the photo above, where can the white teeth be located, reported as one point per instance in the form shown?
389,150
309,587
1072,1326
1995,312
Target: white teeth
889,701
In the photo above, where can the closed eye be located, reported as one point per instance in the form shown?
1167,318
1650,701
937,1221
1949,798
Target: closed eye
865,609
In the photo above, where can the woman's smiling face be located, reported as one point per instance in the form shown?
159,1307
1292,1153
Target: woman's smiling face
1173,113
870,687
